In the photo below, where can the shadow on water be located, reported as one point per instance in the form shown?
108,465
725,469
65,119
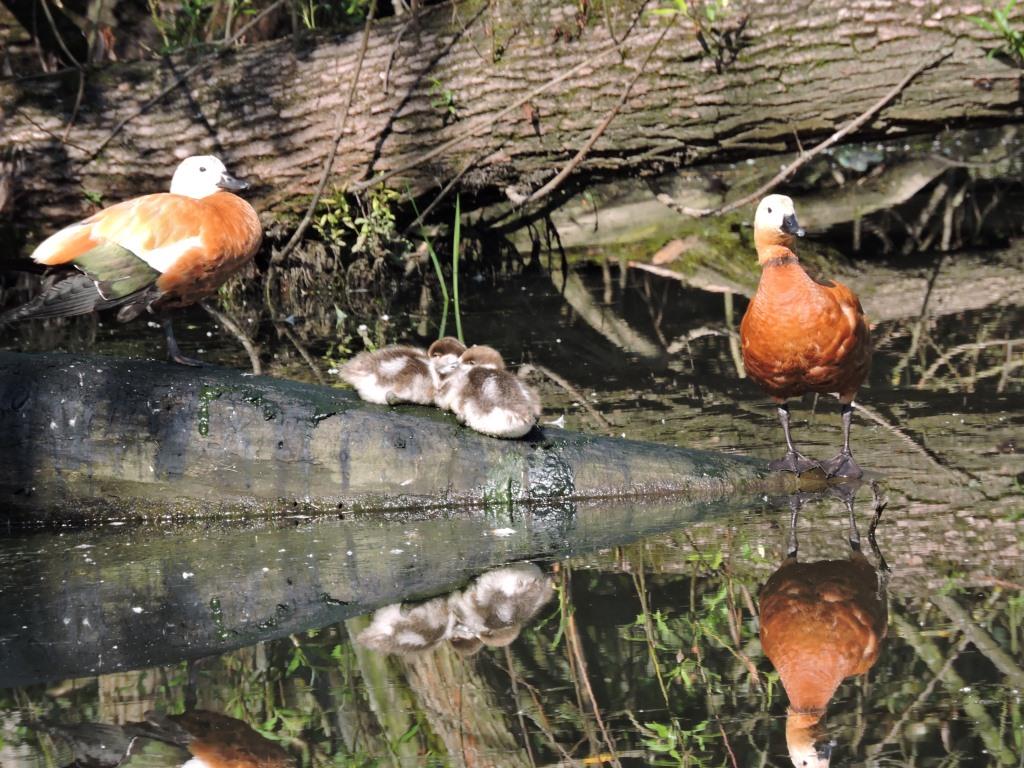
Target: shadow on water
634,634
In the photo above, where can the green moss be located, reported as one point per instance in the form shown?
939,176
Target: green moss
206,395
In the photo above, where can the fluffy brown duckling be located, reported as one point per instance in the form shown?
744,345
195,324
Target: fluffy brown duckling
444,356
495,608
486,397
399,628
391,375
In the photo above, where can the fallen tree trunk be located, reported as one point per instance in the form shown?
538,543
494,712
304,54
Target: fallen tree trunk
760,79
95,437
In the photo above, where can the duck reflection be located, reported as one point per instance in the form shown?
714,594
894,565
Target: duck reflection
491,611
822,622
194,739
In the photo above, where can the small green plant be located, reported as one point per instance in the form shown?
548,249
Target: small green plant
325,14
186,25
681,745
720,41
443,99
999,24
446,297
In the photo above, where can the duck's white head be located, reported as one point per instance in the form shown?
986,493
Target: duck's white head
776,213
200,176
806,741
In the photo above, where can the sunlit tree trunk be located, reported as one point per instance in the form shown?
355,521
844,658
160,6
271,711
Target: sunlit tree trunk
760,79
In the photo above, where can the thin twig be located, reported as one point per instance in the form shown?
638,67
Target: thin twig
948,355
394,50
289,334
806,157
420,218
93,154
572,637
561,176
512,676
236,330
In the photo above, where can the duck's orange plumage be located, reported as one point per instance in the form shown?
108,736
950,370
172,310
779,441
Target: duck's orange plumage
152,253
821,622
802,335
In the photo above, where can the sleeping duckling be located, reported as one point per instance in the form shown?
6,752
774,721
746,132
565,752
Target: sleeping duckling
402,629
494,609
444,355
391,375
487,398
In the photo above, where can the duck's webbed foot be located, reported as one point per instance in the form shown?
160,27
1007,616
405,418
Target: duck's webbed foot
842,465
795,462
173,352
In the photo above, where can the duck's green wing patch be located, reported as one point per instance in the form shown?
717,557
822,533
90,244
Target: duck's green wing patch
116,271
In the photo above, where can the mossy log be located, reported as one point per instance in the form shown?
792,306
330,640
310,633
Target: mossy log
761,79
91,436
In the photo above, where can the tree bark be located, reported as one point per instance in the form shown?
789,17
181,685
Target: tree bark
799,70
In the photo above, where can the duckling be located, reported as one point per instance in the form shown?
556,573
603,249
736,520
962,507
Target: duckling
487,398
494,609
405,629
444,355
391,375
800,335
821,623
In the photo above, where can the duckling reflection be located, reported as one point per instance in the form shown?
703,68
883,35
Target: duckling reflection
491,611
822,622
195,739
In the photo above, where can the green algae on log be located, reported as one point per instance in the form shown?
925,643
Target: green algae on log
92,437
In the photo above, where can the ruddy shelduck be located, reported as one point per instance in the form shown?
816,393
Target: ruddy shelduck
152,253
822,622
486,397
802,335
194,739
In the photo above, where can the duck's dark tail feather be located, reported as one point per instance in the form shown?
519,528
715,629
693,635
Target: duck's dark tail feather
73,295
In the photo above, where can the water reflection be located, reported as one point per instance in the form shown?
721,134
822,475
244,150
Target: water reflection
194,739
491,611
822,622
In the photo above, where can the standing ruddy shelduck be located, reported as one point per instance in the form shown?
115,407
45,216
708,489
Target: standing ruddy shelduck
821,623
801,335
487,398
153,253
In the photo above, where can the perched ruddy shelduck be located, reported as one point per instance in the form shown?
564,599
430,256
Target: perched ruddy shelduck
821,623
801,335
152,253
487,398
391,375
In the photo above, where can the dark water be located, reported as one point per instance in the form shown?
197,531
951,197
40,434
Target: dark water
623,632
